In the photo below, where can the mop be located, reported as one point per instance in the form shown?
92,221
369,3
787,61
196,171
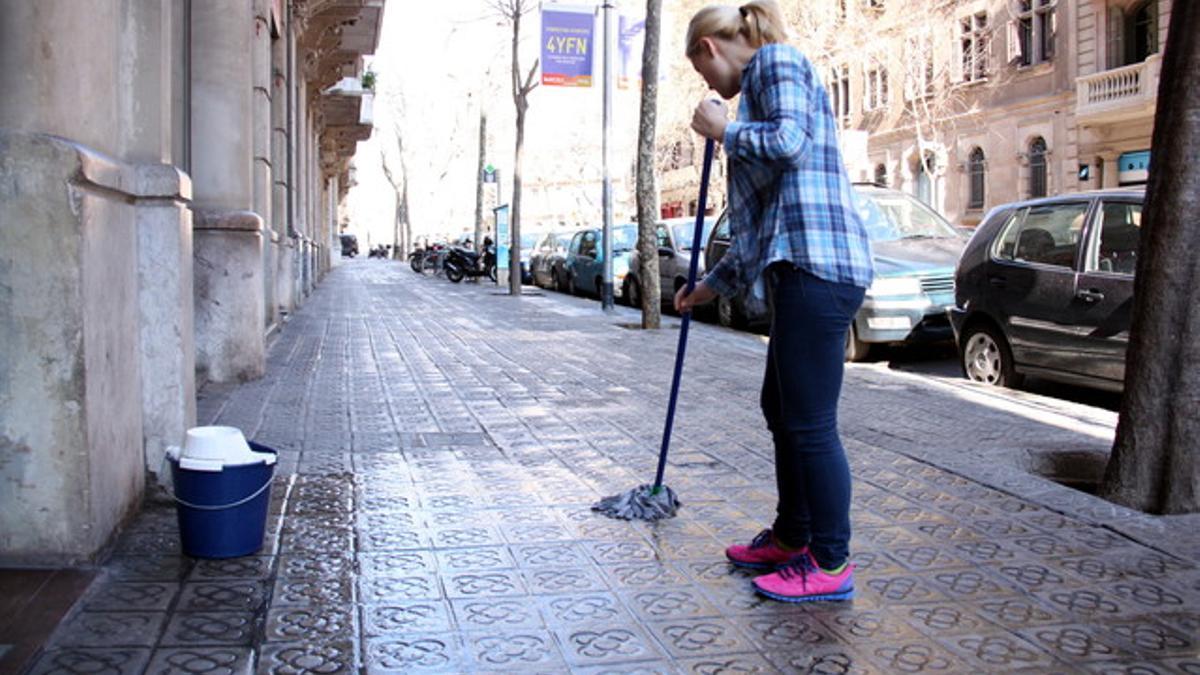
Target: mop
657,501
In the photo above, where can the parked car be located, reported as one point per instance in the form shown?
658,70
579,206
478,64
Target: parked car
547,262
585,260
675,252
914,251
1045,287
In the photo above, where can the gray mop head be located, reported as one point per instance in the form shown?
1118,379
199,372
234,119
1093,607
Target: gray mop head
640,503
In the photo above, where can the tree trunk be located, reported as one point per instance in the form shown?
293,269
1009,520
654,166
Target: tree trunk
479,179
514,211
647,193
1153,466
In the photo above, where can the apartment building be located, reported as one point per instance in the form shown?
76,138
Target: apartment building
972,103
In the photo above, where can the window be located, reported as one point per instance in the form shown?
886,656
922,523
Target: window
976,169
1120,232
587,247
974,43
662,239
1132,33
925,170
839,92
1031,34
881,177
877,87
1046,235
1037,167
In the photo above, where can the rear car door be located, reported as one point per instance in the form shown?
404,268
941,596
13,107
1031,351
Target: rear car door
666,263
1104,295
1033,277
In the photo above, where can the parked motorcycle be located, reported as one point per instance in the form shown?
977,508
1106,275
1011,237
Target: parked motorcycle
462,262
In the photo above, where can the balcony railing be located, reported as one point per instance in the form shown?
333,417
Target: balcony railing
1121,93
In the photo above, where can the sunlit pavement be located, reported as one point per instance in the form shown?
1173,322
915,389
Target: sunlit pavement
441,445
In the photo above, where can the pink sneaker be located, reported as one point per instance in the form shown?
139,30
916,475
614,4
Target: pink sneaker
803,581
762,553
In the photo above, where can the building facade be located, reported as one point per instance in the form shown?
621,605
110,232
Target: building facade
169,178
971,103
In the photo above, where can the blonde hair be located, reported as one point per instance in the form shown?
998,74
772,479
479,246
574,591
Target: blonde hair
759,21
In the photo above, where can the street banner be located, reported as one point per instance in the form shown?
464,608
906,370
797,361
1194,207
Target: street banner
631,38
567,40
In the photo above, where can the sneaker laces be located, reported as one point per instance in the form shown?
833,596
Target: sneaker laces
761,540
801,565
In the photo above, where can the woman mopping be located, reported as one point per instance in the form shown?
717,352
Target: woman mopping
796,237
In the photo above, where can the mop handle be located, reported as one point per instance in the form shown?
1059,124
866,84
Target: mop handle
697,237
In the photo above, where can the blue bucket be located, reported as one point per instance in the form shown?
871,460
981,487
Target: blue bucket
223,514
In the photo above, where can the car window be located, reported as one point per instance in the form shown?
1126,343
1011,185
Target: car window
1049,234
722,231
624,238
683,234
588,245
577,242
664,239
1120,231
1006,243
890,215
564,242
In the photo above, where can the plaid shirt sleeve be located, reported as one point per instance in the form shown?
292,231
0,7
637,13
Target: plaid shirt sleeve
783,136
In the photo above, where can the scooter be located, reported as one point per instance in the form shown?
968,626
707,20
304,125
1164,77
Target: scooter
461,263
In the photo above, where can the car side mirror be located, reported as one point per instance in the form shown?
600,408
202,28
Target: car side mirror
665,252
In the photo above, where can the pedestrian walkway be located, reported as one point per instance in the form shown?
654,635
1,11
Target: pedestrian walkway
441,445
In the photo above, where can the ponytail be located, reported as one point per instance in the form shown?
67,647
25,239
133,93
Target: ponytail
759,21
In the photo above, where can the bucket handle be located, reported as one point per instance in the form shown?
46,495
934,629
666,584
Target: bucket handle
222,507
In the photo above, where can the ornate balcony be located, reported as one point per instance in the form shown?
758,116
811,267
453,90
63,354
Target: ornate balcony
1118,95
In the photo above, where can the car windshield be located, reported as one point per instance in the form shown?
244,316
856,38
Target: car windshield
890,216
624,238
683,234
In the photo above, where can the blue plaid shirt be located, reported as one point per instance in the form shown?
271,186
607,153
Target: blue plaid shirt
789,196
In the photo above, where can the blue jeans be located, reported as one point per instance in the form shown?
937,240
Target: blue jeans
809,320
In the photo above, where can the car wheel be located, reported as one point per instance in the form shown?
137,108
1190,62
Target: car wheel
599,282
572,289
987,358
856,349
633,295
728,314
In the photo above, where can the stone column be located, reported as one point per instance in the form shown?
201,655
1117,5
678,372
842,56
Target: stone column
229,285
71,458
279,173
263,168
164,230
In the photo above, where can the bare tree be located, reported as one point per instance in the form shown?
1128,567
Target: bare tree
1154,465
479,166
512,11
647,192
401,227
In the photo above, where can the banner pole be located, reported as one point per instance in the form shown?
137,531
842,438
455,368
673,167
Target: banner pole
607,293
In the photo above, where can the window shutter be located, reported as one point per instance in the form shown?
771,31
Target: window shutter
1014,40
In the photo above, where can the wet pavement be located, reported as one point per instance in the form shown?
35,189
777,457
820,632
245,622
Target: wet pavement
440,447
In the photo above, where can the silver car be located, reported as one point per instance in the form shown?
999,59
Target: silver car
675,251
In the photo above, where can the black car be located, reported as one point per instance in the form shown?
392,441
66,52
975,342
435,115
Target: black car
1045,287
